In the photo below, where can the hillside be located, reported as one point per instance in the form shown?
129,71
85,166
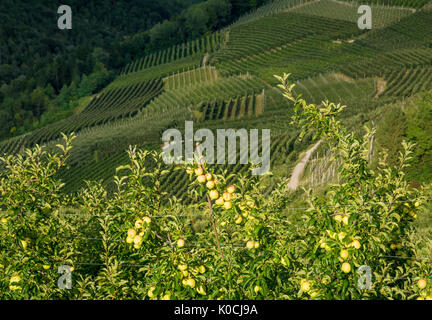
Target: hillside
225,80
337,207
47,73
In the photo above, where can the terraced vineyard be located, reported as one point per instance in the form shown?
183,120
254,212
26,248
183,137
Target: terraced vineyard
381,15
191,77
223,88
192,48
111,105
398,3
412,31
249,105
225,80
382,63
406,82
274,31
337,88
162,71
274,7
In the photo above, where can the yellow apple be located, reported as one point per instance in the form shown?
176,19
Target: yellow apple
214,194
220,201
231,189
344,254
182,267
346,267
250,244
137,240
150,291
305,285
190,282
227,196
422,283
356,244
131,233
345,220
228,205
210,184
338,218
180,243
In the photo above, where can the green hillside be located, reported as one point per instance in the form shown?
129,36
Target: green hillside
225,80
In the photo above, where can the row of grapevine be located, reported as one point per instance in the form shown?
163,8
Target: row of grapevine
382,15
166,108
112,139
109,106
223,88
160,71
106,163
304,58
406,82
414,30
272,32
246,106
335,88
95,146
395,3
13,145
98,151
103,169
391,60
205,44
273,7
191,77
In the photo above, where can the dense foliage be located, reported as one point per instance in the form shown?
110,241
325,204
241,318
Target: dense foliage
231,242
409,120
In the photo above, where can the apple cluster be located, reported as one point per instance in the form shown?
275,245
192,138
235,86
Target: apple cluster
224,200
135,235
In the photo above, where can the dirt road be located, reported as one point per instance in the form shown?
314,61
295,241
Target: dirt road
300,167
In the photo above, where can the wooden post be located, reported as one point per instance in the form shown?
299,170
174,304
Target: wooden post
371,146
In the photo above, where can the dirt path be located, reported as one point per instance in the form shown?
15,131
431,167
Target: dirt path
341,76
344,3
381,85
205,59
300,167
